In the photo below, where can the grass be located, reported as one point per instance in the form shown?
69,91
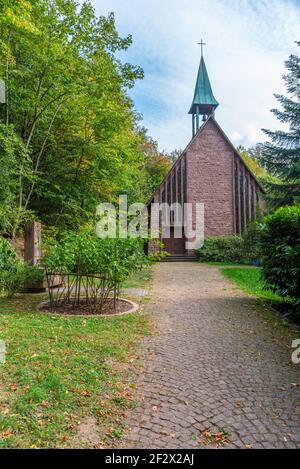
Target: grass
60,370
237,264
138,279
249,279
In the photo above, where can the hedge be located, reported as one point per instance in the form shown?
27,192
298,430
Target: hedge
240,249
280,251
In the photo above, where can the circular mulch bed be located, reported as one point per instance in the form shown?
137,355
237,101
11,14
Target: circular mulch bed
123,306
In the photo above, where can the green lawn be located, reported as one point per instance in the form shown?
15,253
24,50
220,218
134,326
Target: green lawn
60,370
224,263
138,279
249,280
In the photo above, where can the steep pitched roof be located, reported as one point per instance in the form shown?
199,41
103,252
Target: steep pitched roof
210,119
203,95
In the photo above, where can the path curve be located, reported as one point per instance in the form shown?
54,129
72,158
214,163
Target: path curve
218,361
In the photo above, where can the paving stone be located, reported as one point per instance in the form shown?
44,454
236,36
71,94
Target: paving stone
217,361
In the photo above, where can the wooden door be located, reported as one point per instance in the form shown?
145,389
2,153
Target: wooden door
174,245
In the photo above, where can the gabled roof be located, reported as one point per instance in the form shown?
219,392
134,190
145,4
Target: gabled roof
233,148
203,95
210,119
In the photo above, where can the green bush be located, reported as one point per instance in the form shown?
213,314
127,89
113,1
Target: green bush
14,273
10,266
84,253
251,242
92,268
280,250
222,249
241,249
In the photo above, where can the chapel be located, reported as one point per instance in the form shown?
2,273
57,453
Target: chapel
209,171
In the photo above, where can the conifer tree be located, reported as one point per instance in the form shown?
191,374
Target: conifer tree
281,156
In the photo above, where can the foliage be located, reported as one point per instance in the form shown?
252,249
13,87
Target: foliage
157,163
281,156
251,158
85,253
67,101
96,266
59,370
280,249
251,241
8,255
14,273
221,248
15,174
250,280
13,14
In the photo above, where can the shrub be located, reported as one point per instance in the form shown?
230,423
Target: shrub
222,249
280,249
9,266
14,273
251,242
85,253
96,265
241,249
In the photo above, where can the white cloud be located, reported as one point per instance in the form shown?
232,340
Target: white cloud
247,43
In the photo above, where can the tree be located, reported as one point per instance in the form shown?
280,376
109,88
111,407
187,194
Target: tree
157,163
16,14
68,103
253,159
281,156
15,175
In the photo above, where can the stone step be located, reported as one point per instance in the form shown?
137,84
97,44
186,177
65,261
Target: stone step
179,258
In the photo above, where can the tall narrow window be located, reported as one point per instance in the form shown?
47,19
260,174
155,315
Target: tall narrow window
237,203
169,191
174,187
252,201
246,183
184,180
242,198
179,194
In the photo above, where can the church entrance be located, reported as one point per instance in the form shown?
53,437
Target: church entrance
174,245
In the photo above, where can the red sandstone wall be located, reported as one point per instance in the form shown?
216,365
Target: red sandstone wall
209,161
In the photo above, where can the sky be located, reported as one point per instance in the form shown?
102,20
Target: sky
247,42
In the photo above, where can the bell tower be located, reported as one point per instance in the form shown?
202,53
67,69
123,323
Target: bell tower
204,102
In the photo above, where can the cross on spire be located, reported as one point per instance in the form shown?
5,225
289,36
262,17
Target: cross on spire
201,44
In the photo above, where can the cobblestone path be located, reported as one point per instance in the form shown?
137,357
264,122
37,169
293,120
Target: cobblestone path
218,361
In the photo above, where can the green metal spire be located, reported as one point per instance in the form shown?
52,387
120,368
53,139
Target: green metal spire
204,101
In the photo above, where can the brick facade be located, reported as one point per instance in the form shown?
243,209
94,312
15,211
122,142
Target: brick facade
209,161
211,172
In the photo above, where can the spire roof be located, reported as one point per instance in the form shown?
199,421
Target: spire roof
204,99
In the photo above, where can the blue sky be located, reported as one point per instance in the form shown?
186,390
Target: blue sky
247,44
